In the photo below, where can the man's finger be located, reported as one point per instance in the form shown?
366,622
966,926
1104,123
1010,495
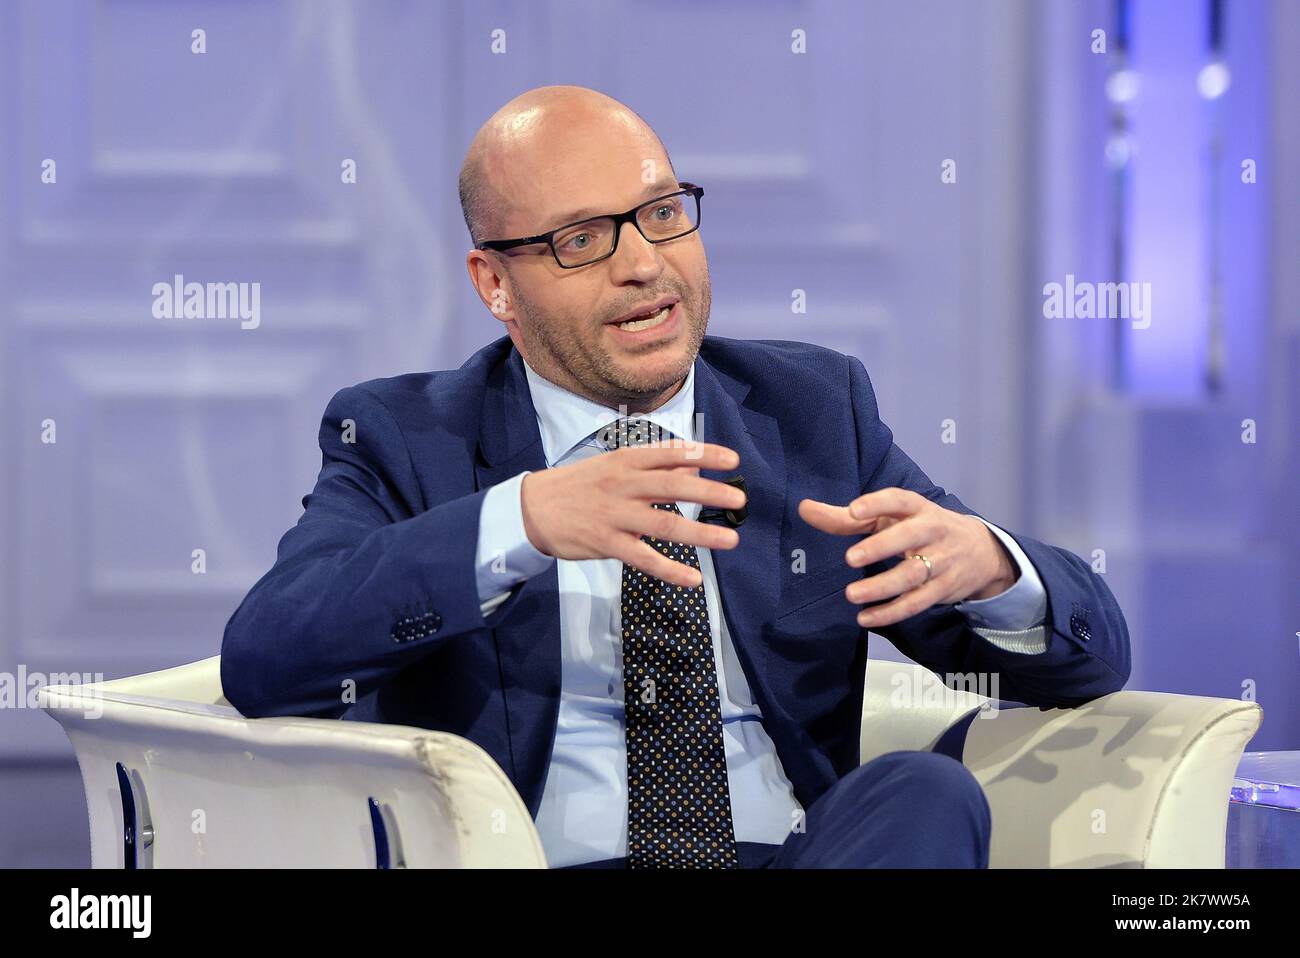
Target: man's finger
640,555
668,455
887,502
668,526
909,535
904,607
662,485
908,574
833,519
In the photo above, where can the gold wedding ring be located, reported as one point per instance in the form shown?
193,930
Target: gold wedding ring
929,569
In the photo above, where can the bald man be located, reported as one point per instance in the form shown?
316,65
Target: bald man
638,564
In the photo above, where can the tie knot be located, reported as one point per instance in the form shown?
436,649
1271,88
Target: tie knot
631,432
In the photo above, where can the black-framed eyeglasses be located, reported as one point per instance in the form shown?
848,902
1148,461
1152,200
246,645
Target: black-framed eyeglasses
659,220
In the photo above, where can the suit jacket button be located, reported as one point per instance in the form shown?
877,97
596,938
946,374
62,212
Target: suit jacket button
1079,624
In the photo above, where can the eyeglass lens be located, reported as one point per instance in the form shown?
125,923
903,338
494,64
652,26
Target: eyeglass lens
659,220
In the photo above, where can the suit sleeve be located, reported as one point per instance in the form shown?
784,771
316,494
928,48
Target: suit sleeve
1087,653
364,584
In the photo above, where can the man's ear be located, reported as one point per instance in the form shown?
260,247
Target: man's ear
492,287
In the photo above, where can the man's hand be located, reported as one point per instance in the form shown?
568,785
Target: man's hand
599,508
968,561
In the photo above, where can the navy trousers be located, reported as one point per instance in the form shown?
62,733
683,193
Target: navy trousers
906,809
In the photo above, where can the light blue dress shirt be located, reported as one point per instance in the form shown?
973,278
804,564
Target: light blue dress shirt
583,812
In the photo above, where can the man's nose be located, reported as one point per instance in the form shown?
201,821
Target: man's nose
636,257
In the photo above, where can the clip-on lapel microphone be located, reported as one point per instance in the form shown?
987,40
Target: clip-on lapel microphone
728,517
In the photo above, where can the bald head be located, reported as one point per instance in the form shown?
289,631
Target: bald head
535,151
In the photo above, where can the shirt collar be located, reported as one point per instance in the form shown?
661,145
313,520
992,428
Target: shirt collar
567,420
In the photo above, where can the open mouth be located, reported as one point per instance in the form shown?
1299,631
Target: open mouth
646,320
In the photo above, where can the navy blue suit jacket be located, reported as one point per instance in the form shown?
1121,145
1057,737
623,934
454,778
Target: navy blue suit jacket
376,583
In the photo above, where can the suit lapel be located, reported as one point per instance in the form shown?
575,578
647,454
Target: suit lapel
748,575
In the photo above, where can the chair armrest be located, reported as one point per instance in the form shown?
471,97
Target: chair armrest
1129,780
220,790
198,682
905,707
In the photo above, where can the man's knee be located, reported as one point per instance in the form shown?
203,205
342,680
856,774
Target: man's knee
922,778
904,809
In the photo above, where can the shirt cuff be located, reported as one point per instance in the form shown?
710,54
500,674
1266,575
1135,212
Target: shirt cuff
1020,609
504,557
1025,641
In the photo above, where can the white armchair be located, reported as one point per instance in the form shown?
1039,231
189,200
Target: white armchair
175,777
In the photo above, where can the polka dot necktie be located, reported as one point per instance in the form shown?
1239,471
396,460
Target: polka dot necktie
679,808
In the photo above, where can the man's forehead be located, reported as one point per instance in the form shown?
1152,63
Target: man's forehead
565,158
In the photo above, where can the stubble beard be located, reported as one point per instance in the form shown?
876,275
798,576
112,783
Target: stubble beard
571,356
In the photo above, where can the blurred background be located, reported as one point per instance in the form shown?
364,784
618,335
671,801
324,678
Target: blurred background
922,171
